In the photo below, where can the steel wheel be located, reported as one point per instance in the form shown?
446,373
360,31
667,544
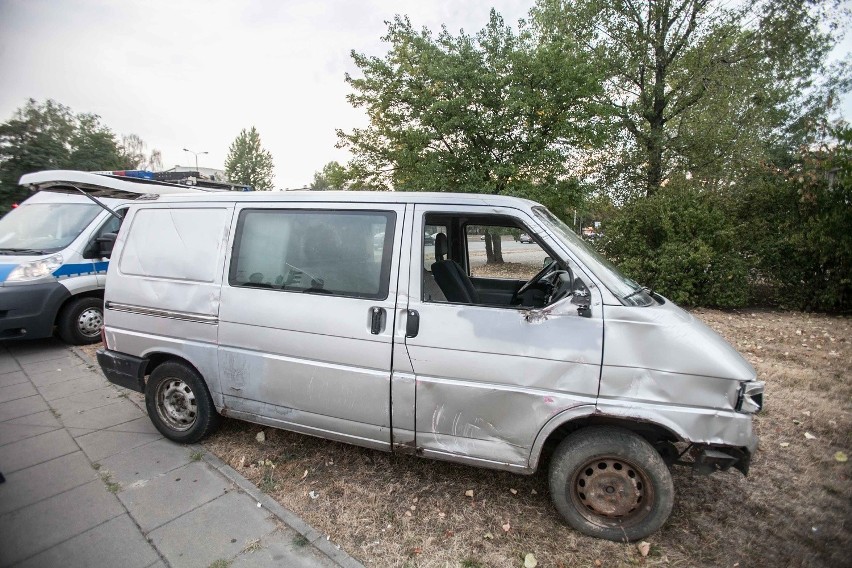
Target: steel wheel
176,404
90,321
610,491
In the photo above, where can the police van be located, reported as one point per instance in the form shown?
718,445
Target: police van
55,249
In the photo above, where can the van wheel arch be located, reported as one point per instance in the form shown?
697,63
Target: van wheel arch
658,436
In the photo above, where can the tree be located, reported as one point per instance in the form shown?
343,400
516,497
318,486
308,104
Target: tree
135,154
332,176
490,113
693,85
248,162
48,136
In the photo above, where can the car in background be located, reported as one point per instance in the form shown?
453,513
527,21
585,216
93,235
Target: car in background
526,239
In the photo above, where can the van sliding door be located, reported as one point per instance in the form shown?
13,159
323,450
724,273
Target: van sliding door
307,318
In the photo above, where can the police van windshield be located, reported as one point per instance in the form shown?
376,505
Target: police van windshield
41,228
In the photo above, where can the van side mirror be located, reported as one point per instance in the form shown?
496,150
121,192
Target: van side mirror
547,260
105,243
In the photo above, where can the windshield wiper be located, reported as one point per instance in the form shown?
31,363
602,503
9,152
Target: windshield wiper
640,289
21,251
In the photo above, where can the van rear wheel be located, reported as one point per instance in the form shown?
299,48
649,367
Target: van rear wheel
179,403
80,321
610,483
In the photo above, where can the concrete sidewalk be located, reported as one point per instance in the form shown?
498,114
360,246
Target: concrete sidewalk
90,482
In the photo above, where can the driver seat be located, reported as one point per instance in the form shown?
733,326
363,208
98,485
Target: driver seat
451,277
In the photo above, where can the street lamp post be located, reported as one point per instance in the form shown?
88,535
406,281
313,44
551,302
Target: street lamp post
196,156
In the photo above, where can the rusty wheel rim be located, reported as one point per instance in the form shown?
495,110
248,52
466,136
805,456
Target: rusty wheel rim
611,491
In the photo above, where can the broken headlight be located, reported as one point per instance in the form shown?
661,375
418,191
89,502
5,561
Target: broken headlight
750,399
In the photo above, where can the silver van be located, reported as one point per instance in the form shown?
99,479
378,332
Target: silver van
54,253
415,323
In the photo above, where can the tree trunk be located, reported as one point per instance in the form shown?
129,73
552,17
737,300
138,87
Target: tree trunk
489,252
497,246
655,158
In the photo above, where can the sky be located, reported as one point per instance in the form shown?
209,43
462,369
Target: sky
192,74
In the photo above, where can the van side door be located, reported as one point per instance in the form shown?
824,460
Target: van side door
306,319
492,370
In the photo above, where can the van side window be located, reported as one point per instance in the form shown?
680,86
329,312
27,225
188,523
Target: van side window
341,253
502,252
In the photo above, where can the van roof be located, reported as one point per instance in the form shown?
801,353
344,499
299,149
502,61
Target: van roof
103,185
358,196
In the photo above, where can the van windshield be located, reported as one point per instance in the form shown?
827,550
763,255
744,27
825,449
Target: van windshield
41,228
627,290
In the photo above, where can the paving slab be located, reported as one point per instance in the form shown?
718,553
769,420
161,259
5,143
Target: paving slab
142,425
22,407
28,531
218,530
30,485
85,383
283,547
68,362
13,378
87,400
11,433
58,376
146,462
8,365
107,416
16,391
35,450
104,443
43,418
104,545
44,353
157,501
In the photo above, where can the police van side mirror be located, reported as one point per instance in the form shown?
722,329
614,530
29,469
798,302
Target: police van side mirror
105,243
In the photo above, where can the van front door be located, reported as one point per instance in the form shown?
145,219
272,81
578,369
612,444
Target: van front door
489,371
306,320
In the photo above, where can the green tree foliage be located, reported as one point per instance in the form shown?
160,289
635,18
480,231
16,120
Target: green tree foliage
332,176
695,86
248,162
489,113
49,136
683,243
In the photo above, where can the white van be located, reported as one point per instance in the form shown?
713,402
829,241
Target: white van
54,253
415,323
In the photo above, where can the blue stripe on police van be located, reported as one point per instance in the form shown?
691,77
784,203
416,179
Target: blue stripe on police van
80,269
5,270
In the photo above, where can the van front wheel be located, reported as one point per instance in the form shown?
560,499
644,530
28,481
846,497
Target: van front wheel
179,403
610,483
80,321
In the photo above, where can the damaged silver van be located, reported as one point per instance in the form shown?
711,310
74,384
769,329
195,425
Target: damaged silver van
416,323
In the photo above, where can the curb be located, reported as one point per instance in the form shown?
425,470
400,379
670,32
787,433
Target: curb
314,537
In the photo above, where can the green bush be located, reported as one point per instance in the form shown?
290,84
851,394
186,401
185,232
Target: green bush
682,243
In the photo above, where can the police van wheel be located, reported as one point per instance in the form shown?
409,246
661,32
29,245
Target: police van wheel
611,483
80,321
179,403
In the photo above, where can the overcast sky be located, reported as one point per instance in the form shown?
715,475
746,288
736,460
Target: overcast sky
192,74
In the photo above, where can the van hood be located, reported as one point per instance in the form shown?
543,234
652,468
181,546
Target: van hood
667,338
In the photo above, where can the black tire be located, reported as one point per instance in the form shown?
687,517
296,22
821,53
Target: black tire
179,403
610,483
80,321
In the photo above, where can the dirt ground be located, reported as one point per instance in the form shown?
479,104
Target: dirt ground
795,509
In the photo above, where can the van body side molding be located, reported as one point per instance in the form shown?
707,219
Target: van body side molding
169,314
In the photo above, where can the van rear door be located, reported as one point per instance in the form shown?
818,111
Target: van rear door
306,320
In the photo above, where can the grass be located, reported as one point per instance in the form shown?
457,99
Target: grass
112,486
196,456
220,563
299,541
793,509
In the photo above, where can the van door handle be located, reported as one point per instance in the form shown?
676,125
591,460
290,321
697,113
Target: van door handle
412,323
376,317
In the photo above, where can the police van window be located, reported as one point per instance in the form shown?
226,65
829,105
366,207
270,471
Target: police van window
341,253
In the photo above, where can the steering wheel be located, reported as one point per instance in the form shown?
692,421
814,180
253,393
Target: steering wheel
546,272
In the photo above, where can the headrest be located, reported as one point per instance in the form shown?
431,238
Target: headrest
441,247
